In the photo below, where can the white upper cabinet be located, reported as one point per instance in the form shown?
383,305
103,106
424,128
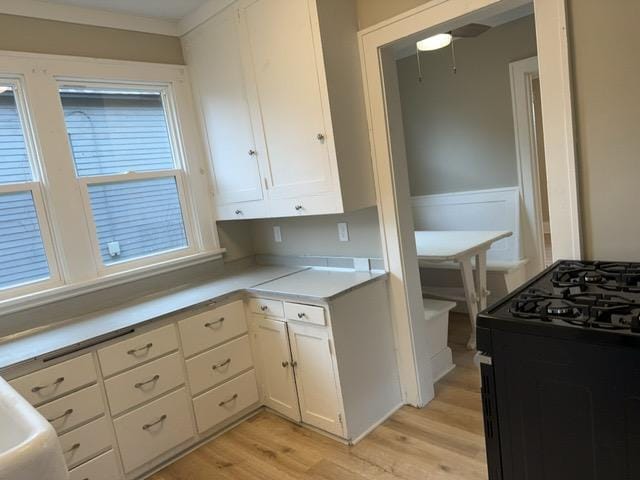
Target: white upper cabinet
284,69
213,53
282,78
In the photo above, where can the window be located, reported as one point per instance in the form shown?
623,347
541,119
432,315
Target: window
122,142
23,255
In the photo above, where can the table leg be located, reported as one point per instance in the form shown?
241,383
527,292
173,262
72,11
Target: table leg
471,298
481,280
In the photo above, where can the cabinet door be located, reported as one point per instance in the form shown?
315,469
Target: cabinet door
213,55
316,377
283,61
274,366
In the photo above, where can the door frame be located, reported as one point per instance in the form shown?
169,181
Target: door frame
522,74
390,166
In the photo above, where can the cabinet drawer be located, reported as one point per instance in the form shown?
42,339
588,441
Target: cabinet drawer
304,313
137,350
216,366
144,383
212,328
272,308
225,401
242,211
52,382
152,430
82,443
312,205
104,467
74,409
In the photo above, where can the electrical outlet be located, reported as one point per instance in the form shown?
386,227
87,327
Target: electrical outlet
277,234
343,232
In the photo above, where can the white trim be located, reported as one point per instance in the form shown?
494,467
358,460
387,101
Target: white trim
522,73
392,186
43,297
384,418
88,16
201,15
554,64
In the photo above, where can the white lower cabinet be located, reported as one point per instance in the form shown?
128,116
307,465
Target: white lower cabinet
316,377
221,403
85,442
104,467
154,429
73,410
275,366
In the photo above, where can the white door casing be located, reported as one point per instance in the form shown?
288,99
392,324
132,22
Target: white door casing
397,241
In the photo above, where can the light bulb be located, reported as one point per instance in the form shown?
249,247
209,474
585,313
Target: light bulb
435,42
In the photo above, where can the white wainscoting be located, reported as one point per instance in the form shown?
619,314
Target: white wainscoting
495,209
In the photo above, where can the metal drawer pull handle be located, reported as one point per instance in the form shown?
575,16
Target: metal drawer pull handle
149,425
73,448
64,415
141,349
302,315
151,380
224,402
217,322
42,387
264,308
222,364
285,364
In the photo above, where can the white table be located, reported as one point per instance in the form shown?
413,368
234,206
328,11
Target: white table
461,247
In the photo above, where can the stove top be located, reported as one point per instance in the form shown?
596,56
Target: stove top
599,296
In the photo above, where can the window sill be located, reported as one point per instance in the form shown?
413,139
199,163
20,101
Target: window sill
63,292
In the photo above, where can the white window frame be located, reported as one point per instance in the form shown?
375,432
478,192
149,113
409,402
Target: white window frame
178,172
34,187
68,238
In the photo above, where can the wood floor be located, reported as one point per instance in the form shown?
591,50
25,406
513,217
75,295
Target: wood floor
443,441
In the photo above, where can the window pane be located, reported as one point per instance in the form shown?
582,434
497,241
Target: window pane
116,132
137,218
14,160
22,255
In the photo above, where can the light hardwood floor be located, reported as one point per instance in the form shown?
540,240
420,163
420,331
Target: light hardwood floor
443,441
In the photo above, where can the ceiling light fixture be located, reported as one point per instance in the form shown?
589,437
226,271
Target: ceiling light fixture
435,42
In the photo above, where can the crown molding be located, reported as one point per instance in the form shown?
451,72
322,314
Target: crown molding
201,15
90,16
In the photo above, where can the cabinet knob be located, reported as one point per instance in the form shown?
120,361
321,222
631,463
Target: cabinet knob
252,153
294,364
298,207
238,212
321,137
285,364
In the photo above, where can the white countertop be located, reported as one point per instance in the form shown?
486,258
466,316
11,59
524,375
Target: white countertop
293,282
316,284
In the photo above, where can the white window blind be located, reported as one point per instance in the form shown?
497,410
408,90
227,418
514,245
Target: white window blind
122,149
23,259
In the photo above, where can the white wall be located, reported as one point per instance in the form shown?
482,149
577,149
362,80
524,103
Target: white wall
459,127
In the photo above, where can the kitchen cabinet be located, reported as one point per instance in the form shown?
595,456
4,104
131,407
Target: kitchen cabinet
213,53
316,378
281,79
275,366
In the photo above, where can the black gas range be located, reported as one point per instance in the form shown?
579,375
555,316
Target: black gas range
560,364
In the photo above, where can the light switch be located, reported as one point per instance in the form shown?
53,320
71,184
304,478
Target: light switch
343,232
277,234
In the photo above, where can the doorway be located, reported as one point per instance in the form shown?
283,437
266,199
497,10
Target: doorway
392,178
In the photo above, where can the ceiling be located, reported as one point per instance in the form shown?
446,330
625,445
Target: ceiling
164,9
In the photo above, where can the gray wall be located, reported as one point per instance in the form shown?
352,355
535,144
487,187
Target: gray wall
26,34
459,127
312,236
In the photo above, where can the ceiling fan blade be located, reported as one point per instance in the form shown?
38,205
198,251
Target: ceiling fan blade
469,31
